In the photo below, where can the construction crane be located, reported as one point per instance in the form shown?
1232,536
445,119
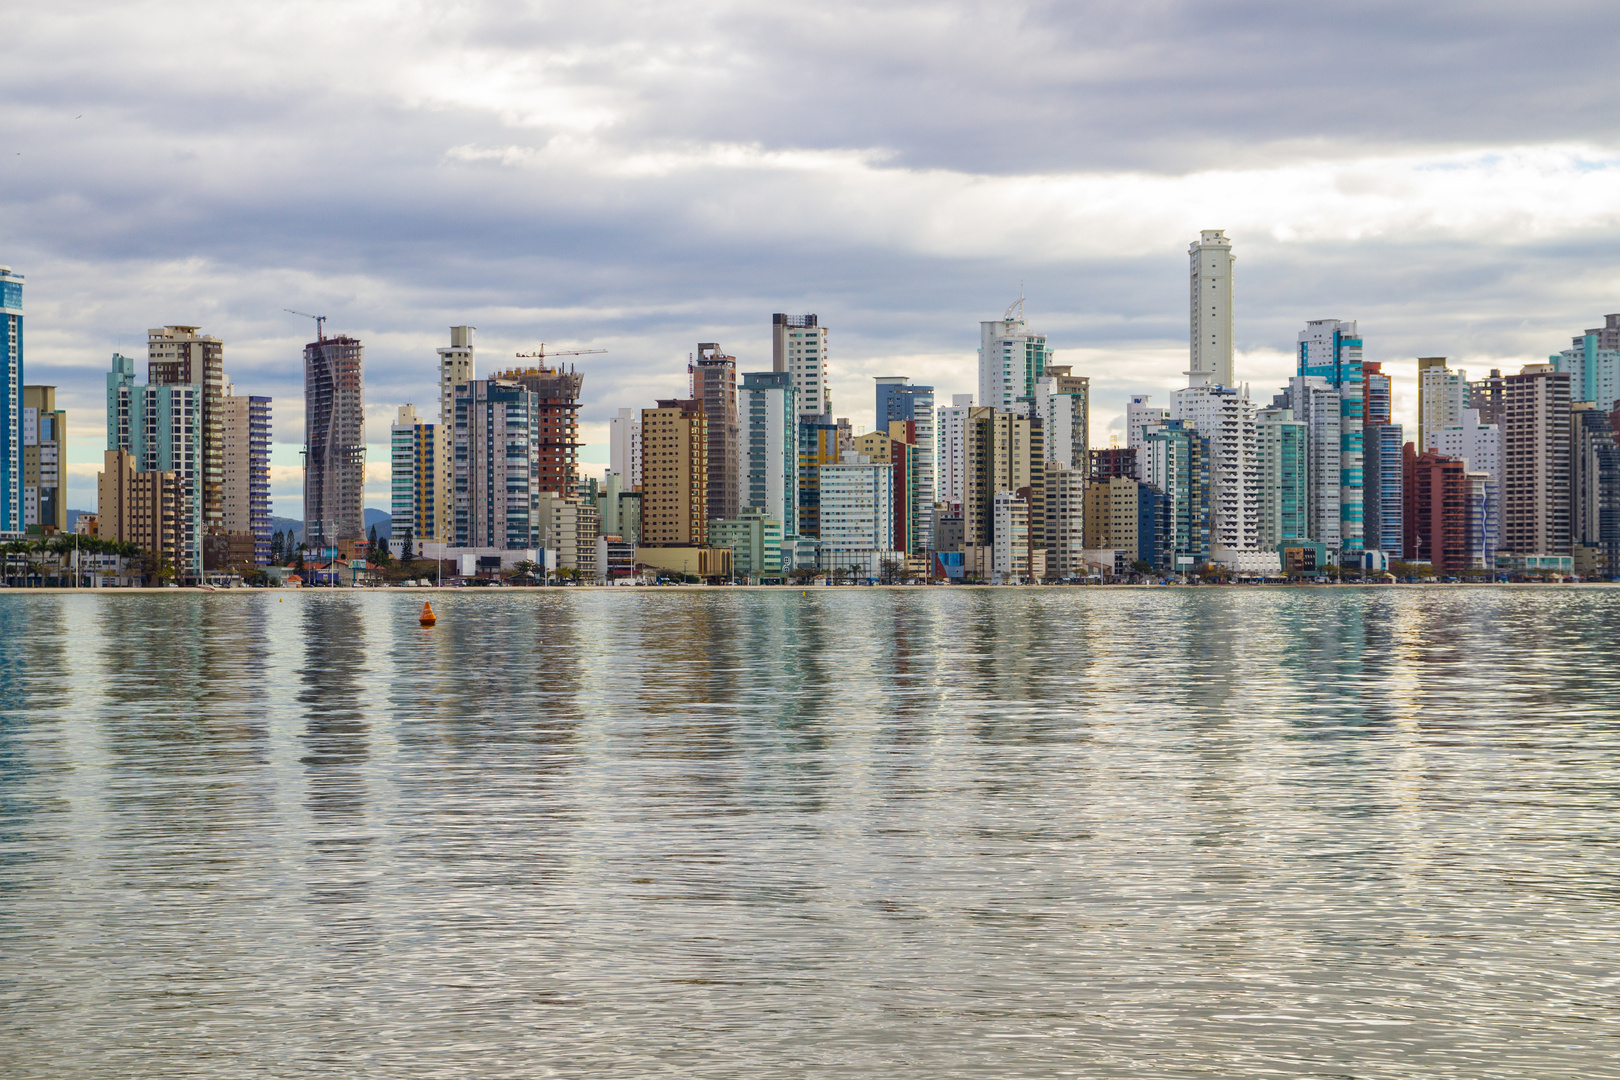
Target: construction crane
320,322
542,354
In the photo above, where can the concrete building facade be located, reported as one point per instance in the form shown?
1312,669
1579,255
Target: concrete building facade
1211,276
334,441
245,479
899,399
799,347
11,392
1535,462
1011,360
674,474
496,466
181,356
714,382
415,469
44,462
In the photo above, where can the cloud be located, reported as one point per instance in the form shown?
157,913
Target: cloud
640,177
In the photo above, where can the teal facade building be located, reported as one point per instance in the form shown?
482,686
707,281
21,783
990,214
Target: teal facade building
1331,350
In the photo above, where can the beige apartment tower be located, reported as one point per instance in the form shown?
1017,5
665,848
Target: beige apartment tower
1210,272
1535,461
140,508
674,474
455,369
181,356
44,455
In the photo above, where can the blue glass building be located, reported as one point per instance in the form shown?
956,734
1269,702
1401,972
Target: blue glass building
11,433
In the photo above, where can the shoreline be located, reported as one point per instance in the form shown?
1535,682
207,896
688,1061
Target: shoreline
545,590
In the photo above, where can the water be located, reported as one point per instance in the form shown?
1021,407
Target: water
912,833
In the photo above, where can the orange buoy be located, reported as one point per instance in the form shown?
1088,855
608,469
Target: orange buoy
428,618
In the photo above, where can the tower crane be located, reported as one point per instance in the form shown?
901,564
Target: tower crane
542,354
320,322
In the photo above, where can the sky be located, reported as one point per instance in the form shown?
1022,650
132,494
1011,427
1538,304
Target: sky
640,177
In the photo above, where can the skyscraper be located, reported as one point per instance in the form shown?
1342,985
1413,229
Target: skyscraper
1283,476
897,399
1210,278
624,448
1331,350
414,477
1063,402
497,465
44,441
674,474
1535,462
1442,396
1226,417
11,383
1011,360
1595,486
1140,419
1004,451
1175,460
334,440
769,424
1593,364
1383,528
456,369
950,434
161,427
714,383
180,356
799,347
556,420
245,481
1317,405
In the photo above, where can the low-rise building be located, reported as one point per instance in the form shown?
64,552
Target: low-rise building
755,540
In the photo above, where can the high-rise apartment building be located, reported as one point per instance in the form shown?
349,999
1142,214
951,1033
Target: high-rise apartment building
1115,461
1141,419
1594,475
1112,514
414,477
11,384
1331,350
1065,490
897,448
1442,396
899,399
674,474
1592,363
245,475
714,382
139,507
951,433
44,449
161,427
1226,417
768,420
1384,528
1318,406
1380,396
1436,513
456,369
1011,548
1063,402
556,423
857,515
1535,462
799,347
1175,460
1004,452
497,465
1284,497
1011,360
1477,445
624,448
1210,274
334,440
180,356
1485,396
820,443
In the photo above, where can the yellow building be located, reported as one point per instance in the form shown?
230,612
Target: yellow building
674,474
1112,513
140,508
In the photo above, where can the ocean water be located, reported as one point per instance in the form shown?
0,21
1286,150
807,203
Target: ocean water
844,833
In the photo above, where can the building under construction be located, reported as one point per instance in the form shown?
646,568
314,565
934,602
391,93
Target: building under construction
334,441
558,418
714,383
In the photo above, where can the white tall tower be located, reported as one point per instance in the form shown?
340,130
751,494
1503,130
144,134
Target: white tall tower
1011,359
1210,279
455,369
799,347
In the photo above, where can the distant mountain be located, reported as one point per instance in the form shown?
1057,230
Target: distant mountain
380,518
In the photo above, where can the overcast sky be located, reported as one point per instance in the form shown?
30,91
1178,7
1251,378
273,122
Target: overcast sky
640,177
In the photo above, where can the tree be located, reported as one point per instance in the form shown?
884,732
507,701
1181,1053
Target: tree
373,538
889,569
802,575
405,554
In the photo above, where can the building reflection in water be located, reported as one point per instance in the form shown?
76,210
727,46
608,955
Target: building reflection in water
336,751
